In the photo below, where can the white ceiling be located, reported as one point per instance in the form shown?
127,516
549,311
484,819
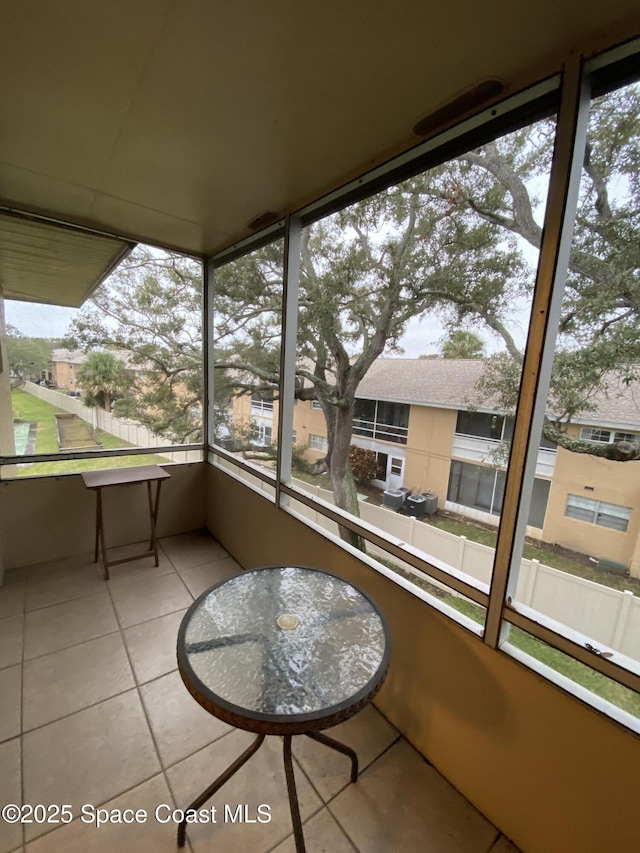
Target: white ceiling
178,121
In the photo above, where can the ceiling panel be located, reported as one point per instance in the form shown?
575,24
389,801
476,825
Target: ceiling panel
184,119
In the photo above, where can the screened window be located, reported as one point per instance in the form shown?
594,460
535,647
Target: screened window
125,370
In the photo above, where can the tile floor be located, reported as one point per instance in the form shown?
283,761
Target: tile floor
93,712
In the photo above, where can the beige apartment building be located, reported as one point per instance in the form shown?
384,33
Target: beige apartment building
431,432
65,364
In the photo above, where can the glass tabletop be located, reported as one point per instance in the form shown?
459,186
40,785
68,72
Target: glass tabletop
280,642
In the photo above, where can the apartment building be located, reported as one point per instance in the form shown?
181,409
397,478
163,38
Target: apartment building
432,431
64,366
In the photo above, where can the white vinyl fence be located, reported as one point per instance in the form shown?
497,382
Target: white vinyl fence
128,431
606,615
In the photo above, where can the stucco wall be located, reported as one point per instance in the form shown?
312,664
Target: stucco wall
52,517
429,450
550,772
600,480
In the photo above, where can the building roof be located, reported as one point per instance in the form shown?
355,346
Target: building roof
450,383
68,356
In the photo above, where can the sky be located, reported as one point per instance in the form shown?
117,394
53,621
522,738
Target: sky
38,321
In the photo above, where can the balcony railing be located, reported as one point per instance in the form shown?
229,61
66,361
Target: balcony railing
481,450
382,432
262,407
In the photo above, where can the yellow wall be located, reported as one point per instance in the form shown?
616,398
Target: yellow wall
64,374
429,450
51,517
613,482
308,421
552,774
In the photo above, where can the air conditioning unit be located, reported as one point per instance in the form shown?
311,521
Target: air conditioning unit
431,503
416,505
393,498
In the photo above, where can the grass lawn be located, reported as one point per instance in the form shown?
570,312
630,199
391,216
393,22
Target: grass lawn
606,688
29,408
545,555
485,536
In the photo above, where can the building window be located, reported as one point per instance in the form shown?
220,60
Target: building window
264,436
318,442
607,436
315,404
396,467
481,487
262,407
598,512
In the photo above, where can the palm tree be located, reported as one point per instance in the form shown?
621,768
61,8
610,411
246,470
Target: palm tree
102,377
463,344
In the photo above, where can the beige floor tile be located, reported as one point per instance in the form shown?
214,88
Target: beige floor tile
73,561
12,594
89,757
329,771
180,726
150,836
56,584
321,835
503,845
152,646
11,640
192,549
260,781
63,625
10,701
147,600
67,681
200,578
137,570
401,803
10,783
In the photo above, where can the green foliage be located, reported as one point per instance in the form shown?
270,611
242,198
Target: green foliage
363,464
28,357
150,312
102,377
461,343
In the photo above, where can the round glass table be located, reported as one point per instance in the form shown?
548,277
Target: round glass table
283,650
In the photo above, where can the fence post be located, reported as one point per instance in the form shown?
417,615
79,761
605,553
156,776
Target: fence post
462,544
525,596
621,621
412,529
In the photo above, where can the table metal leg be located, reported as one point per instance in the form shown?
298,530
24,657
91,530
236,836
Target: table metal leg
293,796
215,786
100,534
98,522
153,515
340,747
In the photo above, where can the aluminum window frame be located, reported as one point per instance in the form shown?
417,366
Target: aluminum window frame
579,81
201,446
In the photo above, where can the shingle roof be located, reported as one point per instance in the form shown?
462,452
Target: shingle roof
69,356
450,382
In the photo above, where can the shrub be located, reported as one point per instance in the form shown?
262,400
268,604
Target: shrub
363,464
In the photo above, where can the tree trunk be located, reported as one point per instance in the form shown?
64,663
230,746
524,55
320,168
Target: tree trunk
342,482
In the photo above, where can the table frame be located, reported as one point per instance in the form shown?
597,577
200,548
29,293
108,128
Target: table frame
99,480
262,724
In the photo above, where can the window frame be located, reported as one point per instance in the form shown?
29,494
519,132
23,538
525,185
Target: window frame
570,94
